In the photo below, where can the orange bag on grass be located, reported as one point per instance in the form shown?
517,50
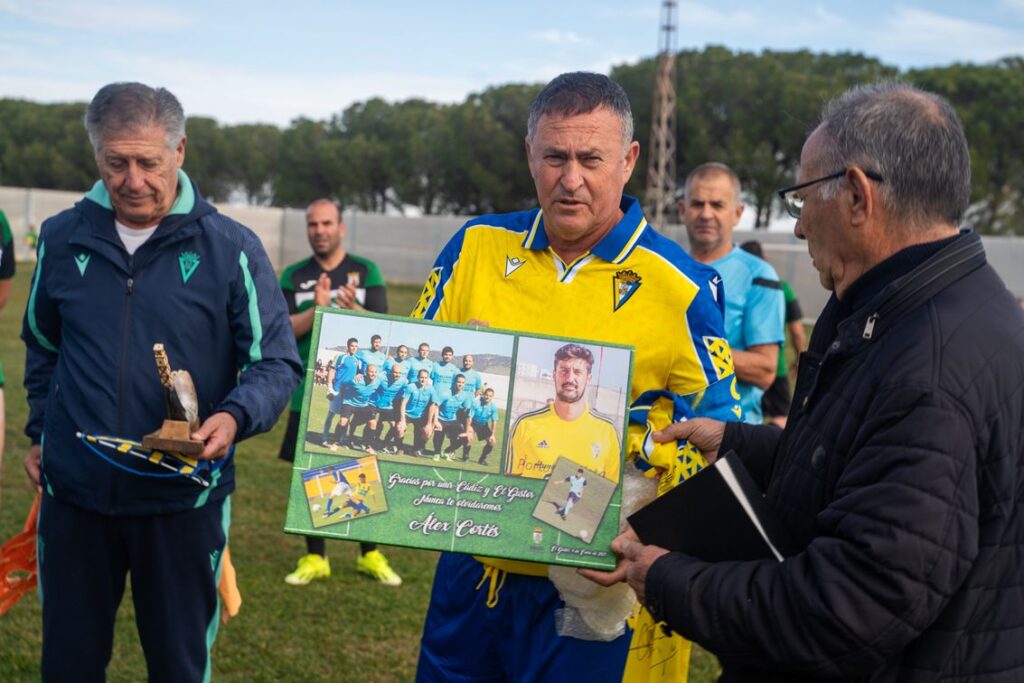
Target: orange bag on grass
18,569
18,561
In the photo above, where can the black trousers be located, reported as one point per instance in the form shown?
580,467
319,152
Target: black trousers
174,561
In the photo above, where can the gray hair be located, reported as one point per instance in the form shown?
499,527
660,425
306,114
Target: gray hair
714,168
581,92
124,107
912,138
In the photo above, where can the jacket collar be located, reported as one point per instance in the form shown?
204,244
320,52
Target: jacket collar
614,247
952,262
97,231
856,331
188,207
183,204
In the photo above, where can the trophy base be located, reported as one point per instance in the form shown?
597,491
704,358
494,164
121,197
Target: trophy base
173,436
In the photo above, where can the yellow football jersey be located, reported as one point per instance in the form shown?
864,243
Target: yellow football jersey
634,287
540,437
360,493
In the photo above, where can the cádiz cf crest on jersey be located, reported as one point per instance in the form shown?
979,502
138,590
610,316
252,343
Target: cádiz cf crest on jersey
625,283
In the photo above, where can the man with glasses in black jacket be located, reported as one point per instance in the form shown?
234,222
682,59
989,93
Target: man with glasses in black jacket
900,471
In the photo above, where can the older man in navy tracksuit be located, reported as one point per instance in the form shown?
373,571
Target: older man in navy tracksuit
142,259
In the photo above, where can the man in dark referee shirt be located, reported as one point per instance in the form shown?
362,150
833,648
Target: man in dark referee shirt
330,277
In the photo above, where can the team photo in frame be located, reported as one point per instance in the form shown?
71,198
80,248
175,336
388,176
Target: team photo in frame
407,392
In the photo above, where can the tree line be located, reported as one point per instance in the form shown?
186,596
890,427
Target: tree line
749,110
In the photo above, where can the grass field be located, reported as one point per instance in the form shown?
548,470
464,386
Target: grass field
345,628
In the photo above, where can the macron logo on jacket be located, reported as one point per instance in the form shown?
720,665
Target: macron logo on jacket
82,261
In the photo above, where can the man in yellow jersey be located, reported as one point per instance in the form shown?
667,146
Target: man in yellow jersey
357,499
587,266
567,427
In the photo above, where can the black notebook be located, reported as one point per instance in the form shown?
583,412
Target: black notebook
716,515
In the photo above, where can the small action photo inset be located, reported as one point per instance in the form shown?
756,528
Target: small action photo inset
574,500
344,491
569,400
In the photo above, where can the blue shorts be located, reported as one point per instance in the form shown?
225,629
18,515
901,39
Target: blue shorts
465,640
358,507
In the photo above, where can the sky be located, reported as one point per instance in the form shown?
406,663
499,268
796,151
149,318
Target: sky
275,61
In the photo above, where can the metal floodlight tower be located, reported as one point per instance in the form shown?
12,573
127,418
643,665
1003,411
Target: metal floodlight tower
661,162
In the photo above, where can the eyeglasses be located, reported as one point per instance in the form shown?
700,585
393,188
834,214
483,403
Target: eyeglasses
794,202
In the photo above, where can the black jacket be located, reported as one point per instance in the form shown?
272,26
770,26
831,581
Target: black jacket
900,474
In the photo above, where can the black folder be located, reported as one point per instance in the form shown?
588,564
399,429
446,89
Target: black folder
716,515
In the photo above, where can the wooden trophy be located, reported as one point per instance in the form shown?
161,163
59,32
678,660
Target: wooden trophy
182,410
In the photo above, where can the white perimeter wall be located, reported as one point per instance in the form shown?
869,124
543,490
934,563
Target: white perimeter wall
404,248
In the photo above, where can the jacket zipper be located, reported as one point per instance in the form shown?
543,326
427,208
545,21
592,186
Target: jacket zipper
125,338
869,326
935,270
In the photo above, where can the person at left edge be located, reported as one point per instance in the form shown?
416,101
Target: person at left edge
330,277
142,258
6,278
